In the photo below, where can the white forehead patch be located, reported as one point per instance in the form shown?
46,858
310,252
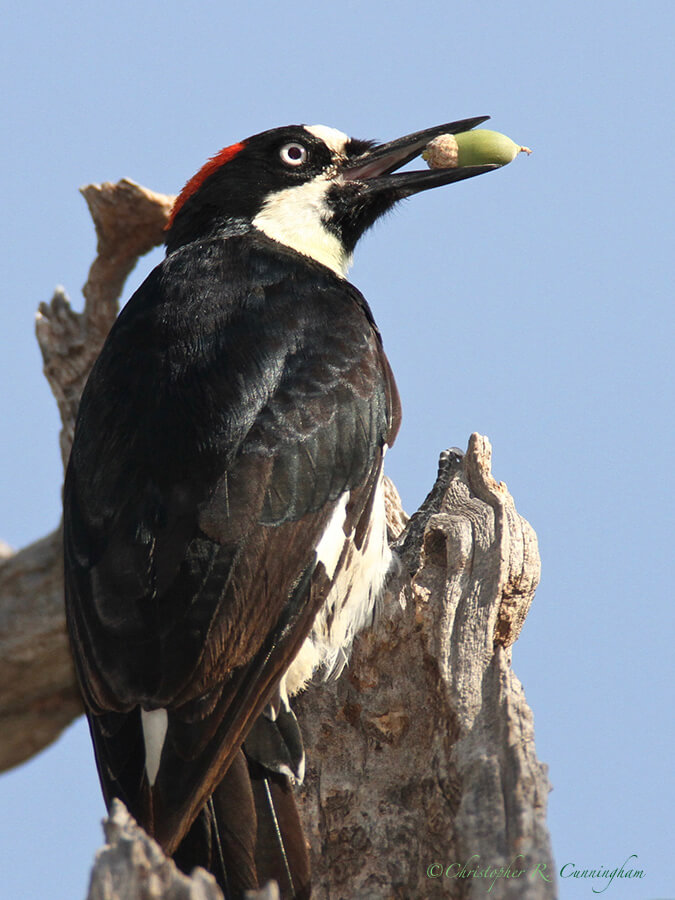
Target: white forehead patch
335,140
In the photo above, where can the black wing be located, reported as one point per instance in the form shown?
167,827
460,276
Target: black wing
220,425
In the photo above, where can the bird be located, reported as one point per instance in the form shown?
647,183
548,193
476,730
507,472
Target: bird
225,535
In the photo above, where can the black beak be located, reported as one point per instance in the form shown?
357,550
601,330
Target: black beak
374,169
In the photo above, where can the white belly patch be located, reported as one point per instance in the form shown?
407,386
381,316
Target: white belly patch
350,604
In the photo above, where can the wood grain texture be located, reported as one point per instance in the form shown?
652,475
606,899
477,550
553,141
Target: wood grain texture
423,754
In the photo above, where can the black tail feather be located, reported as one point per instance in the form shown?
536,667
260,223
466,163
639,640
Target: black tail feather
195,848
222,838
281,851
248,833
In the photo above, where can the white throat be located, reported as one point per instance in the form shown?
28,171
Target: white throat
297,217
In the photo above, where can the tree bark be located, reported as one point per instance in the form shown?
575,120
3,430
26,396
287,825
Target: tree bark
421,757
423,779
131,866
38,694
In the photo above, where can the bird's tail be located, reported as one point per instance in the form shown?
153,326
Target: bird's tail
281,849
249,831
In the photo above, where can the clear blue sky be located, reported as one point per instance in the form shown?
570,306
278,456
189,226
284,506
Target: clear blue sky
533,305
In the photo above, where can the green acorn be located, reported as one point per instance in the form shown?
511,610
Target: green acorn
471,148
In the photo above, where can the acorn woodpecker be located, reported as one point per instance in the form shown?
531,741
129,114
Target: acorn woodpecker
224,524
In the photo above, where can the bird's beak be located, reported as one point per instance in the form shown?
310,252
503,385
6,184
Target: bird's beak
374,169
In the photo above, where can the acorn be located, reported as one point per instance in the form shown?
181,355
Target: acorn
471,148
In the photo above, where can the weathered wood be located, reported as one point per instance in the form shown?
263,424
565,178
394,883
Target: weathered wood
422,753
131,866
38,695
129,221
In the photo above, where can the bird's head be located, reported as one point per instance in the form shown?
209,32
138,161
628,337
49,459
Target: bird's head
309,187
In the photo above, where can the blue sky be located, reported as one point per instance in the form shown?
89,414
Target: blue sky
533,305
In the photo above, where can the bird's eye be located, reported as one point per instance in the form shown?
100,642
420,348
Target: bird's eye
293,154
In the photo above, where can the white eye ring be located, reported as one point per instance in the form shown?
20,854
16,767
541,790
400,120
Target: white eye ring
293,154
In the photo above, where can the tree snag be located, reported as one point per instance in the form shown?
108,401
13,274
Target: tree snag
422,765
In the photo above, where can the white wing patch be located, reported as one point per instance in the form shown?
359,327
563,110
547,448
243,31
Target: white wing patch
350,603
154,724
